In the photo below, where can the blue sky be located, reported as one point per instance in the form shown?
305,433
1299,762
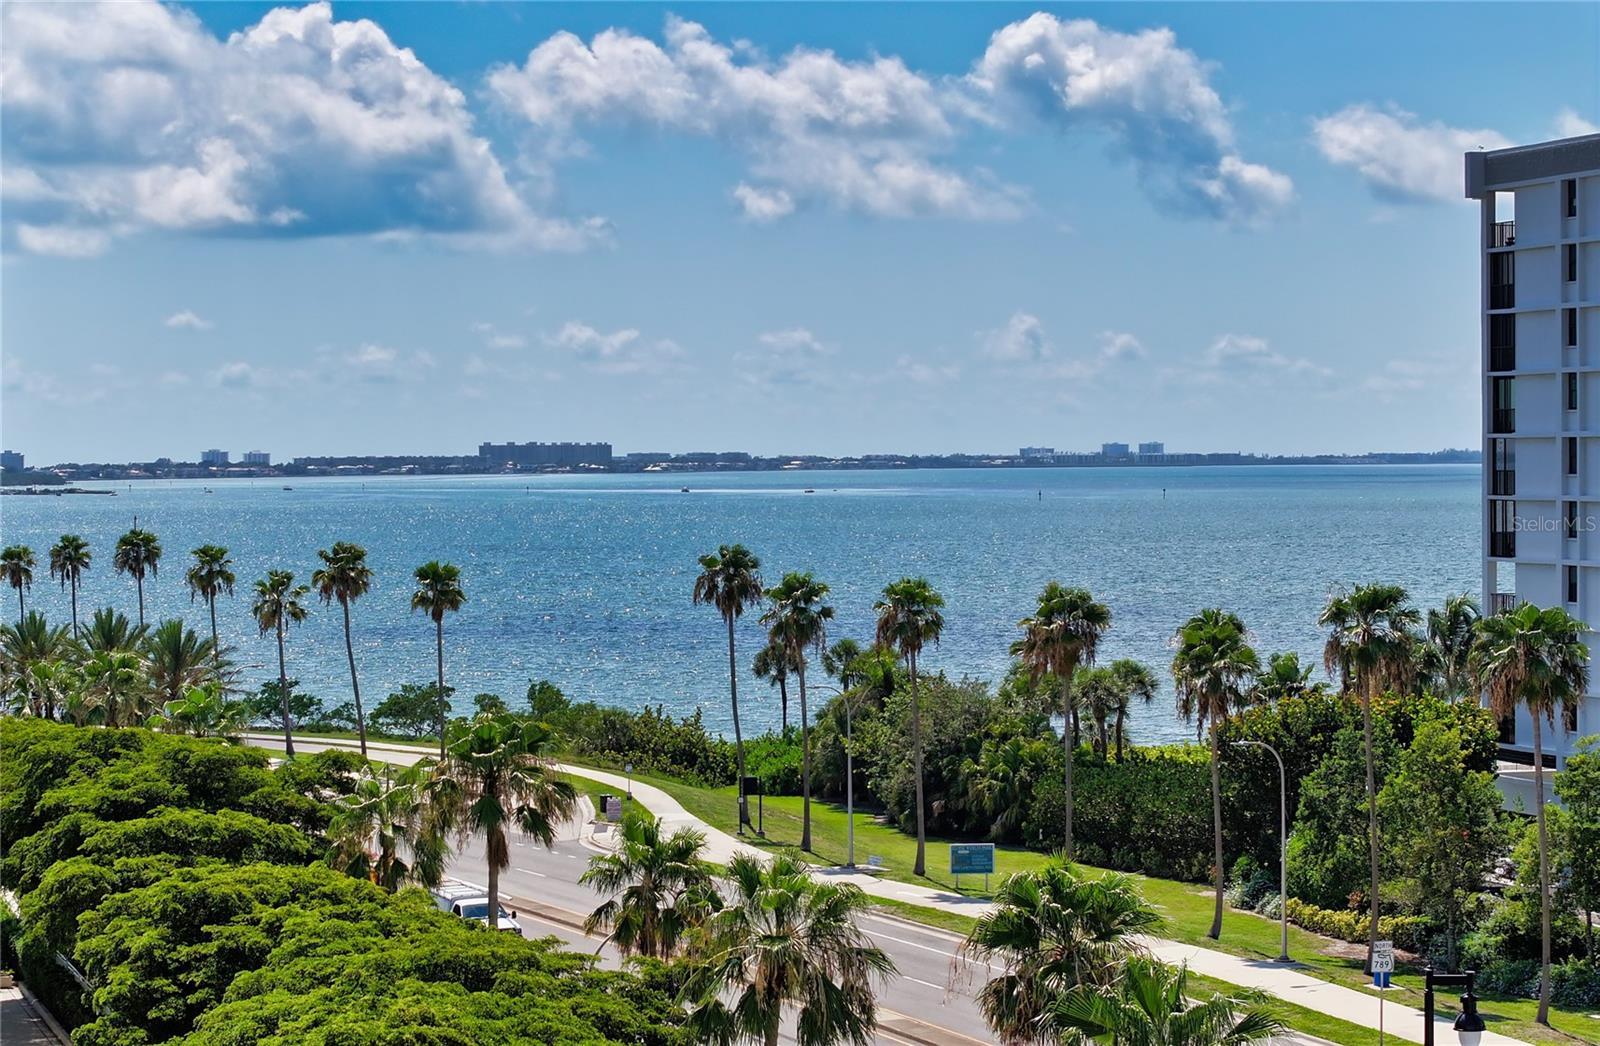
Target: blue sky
783,228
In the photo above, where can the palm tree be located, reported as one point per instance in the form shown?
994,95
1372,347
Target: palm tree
178,659
1211,671
1283,676
657,887
345,576
1527,656
496,774
730,580
785,939
438,593
24,647
1062,635
1000,780
909,618
117,684
1152,1006
774,664
278,605
1131,681
1370,643
16,566
394,818
138,554
203,711
209,576
69,559
1451,630
1052,930
798,620
111,631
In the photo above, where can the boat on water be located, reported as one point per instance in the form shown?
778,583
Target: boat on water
810,490
683,490
288,488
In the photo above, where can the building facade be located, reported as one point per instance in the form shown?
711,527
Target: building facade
540,455
257,457
11,461
1539,216
213,457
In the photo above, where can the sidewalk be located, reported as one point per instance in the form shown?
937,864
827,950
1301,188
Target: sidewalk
1286,982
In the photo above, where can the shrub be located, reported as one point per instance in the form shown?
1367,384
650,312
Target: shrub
1408,932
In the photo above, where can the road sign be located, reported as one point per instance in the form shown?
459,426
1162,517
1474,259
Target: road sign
1383,957
971,858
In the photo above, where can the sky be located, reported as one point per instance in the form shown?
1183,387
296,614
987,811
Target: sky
369,228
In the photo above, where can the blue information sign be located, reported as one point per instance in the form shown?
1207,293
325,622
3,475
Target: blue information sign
971,858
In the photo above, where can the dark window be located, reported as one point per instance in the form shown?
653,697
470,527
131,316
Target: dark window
1570,511
1503,280
1569,714
1503,341
1503,467
1569,188
1572,455
1572,262
1572,391
1503,416
1570,321
1502,529
1508,728
1572,584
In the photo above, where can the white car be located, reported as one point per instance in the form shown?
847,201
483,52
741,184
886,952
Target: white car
470,901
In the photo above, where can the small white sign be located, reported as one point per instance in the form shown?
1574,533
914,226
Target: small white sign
1383,957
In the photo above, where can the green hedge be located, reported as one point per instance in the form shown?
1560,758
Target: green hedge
1408,932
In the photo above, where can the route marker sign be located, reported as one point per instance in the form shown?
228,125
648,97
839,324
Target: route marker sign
1383,957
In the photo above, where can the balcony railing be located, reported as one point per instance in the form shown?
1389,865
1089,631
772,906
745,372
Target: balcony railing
1503,421
1502,357
1503,545
1500,602
1502,295
1504,234
1503,482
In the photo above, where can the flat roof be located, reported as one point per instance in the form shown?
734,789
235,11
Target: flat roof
1542,161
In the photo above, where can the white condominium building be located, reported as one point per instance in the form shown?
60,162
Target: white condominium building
1540,223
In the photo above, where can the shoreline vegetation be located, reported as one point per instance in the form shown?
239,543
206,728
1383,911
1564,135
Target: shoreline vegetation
1396,830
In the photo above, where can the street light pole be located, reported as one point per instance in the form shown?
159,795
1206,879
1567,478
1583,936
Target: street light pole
1468,1025
1283,850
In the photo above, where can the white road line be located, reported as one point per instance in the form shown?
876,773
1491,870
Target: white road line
937,951
530,871
925,984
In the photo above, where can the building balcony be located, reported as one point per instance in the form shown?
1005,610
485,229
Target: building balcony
1502,295
1502,357
1503,421
1503,482
1503,545
1500,602
1504,234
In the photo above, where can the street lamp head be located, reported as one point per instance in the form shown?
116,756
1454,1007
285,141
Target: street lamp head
1468,1024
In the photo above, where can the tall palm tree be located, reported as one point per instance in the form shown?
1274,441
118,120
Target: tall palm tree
495,775
656,885
138,554
117,683
1451,631
210,576
773,663
1283,676
730,580
110,631
438,593
345,576
1063,634
16,566
178,659
798,620
785,939
69,560
1212,670
1532,657
1371,644
1131,681
382,830
909,618
278,605
1152,1006
1052,930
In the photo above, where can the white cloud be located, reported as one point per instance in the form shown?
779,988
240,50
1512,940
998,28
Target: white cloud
240,375
621,351
380,364
1571,125
1407,378
922,372
1244,360
1021,340
19,379
789,358
859,135
1401,157
133,116
187,320
495,338
1153,99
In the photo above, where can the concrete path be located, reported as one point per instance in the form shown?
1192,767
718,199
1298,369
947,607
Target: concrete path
1287,982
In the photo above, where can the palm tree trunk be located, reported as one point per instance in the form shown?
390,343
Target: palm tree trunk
216,643
1544,874
1372,823
738,735
494,892
138,579
355,686
921,866
22,610
74,606
1122,714
805,764
283,692
1216,834
438,628
1069,743
783,698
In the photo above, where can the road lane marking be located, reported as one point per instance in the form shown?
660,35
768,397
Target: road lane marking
530,871
925,984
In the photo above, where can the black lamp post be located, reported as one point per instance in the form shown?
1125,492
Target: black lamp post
1468,1025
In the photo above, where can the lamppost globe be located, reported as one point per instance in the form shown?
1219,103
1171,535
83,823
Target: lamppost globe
1468,1025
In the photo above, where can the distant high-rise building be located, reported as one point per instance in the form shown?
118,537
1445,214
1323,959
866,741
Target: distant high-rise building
1539,228
536,455
1114,450
1153,447
213,457
1038,452
11,461
257,457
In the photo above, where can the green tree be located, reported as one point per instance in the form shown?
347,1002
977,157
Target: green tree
1534,658
1153,1005
118,683
1061,635
496,775
414,711
177,659
110,631
909,618
1451,628
730,580
211,575
1282,677
69,561
1371,644
381,831
438,593
1053,930
1578,788
1212,671
16,566
785,939
773,663
345,576
1133,681
138,554
29,643
657,887
277,606
1000,780
1443,829
204,711
798,620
